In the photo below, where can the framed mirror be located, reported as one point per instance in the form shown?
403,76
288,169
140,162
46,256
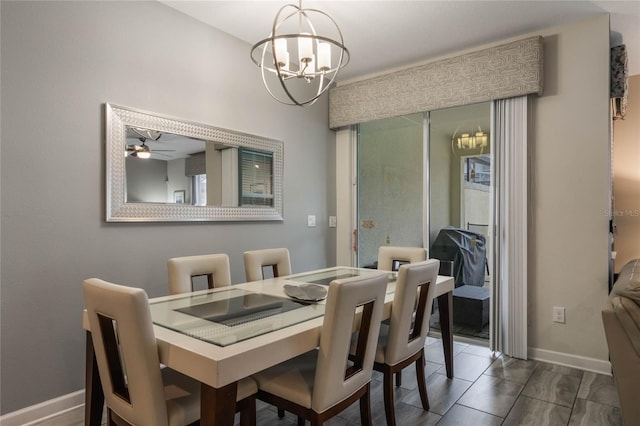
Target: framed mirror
163,169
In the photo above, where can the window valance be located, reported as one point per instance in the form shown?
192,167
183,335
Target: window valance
505,71
195,165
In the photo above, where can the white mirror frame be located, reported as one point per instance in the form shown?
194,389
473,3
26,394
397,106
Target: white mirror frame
118,210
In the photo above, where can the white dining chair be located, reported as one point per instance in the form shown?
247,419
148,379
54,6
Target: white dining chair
275,258
137,390
323,382
182,270
391,257
402,340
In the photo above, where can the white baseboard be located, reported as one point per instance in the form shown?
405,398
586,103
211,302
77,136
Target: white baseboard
570,360
43,410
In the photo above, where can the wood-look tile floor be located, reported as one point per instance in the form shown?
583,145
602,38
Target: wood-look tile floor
487,389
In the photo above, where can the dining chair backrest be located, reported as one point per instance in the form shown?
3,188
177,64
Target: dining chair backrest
182,270
390,258
411,309
126,352
275,258
332,383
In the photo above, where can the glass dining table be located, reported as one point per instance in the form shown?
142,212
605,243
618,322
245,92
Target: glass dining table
222,335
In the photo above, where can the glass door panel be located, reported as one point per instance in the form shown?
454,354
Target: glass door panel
460,188
390,196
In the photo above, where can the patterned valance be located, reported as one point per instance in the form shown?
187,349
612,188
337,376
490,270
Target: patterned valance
505,71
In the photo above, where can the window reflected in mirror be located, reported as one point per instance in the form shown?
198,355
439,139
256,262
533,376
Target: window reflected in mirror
256,175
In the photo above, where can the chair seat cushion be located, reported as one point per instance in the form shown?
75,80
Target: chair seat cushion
246,388
182,394
381,347
292,380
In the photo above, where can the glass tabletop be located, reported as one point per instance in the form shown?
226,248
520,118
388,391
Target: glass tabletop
231,315
325,277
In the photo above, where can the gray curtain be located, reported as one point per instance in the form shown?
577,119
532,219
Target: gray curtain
509,310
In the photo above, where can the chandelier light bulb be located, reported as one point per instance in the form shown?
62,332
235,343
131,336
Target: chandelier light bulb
305,48
324,57
282,54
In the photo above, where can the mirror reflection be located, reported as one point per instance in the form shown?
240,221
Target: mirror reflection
163,169
169,168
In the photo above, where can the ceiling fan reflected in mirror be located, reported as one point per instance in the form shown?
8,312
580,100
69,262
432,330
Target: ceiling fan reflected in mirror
143,151
139,151
145,134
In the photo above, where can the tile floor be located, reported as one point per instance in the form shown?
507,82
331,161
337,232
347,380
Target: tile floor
487,390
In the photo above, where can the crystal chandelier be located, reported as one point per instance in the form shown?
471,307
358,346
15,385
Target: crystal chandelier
297,64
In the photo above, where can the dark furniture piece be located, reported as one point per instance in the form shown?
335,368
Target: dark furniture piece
471,306
462,253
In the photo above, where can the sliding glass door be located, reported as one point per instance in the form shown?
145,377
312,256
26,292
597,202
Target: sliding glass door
424,175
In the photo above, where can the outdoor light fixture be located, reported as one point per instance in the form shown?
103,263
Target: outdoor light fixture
297,64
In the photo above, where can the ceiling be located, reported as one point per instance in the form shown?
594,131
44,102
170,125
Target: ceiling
384,35
168,146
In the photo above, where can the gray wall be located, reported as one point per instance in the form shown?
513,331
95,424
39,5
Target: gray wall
61,61
146,180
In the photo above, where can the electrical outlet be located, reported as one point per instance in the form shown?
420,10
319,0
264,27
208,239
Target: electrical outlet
333,221
311,220
558,314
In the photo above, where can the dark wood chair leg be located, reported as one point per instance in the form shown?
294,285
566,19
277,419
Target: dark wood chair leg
94,397
422,383
365,408
389,408
301,421
280,412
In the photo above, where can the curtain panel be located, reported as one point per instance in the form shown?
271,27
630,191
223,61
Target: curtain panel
511,214
504,71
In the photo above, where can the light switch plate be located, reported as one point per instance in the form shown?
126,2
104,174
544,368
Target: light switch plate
311,220
333,221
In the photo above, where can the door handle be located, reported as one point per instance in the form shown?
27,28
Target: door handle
355,240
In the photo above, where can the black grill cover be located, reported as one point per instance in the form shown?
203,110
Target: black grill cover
466,249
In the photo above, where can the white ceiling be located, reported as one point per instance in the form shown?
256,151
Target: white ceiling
383,35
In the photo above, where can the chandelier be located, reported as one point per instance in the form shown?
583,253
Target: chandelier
297,64
477,140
